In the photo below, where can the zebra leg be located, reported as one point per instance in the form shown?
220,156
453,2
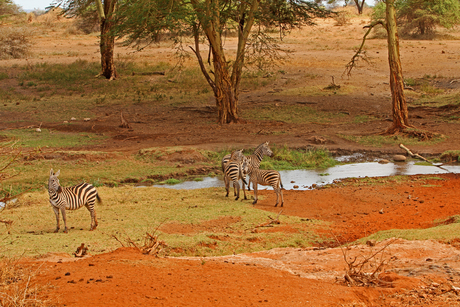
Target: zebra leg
64,218
237,186
254,186
244,191
56,212
92,212
227,185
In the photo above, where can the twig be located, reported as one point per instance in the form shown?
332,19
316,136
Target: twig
269,223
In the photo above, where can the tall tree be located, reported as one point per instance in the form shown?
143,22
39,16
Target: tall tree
106,11
399,104
207,21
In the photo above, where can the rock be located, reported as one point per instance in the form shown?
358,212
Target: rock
384,161
399,158
371,243
296,187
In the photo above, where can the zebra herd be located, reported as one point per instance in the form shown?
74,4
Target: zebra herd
235,166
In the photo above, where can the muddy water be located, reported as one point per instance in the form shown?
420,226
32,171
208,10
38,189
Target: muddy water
305,179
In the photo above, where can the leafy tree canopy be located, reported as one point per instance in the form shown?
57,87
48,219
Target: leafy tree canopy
422,16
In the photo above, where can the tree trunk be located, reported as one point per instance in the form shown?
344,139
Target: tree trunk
107,41
400,112
360,6
224,92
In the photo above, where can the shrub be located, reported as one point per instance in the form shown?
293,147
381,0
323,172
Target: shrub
14,43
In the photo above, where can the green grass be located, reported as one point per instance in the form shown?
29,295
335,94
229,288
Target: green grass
289,159
131,212
381,140
438,100
47,138
442,233
290,114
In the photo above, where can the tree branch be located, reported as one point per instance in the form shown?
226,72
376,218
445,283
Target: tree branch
353,62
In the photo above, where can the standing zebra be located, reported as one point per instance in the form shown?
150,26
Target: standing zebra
267,177
71,198
255,159
234,171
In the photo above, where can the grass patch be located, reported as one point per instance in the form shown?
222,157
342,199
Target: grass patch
289,159
317,91
47,138
290,114
438,100
381,140
442,233
130,212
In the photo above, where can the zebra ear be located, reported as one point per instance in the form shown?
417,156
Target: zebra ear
57,173
51,172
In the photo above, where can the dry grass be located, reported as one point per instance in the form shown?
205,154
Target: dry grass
15,43
16,287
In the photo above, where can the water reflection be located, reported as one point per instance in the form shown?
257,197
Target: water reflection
304,179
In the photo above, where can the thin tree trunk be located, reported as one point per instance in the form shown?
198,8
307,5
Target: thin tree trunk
400,112
107,40
360,6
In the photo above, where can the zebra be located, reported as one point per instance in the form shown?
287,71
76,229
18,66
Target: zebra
255,159
267,177
71,198
236,155
234,171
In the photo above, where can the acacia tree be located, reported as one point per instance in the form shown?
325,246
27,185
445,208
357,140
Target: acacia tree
106,11
207,21
399,104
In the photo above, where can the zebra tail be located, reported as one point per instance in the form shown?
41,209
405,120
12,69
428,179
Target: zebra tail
281,183
98,198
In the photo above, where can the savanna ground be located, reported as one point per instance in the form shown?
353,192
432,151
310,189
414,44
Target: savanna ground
288,107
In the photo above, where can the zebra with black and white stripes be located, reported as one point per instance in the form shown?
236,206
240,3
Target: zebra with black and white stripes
255,159
235,170
267,177
71,198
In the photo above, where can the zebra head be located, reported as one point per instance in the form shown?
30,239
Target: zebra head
263,150
237,155
53,182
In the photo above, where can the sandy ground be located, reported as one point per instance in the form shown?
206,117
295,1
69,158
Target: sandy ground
418,273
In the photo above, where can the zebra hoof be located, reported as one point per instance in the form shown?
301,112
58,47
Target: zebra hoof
237,198
57,230
254,202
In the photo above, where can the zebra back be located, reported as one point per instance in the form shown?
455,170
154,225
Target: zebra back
71,198
265,177
237,155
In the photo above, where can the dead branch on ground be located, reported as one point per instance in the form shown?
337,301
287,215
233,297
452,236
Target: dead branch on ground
416,155
269,223
81,251
364,270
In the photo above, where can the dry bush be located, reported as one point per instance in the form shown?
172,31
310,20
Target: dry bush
14,43
50,18
364,269
342,18
15,286
150,246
